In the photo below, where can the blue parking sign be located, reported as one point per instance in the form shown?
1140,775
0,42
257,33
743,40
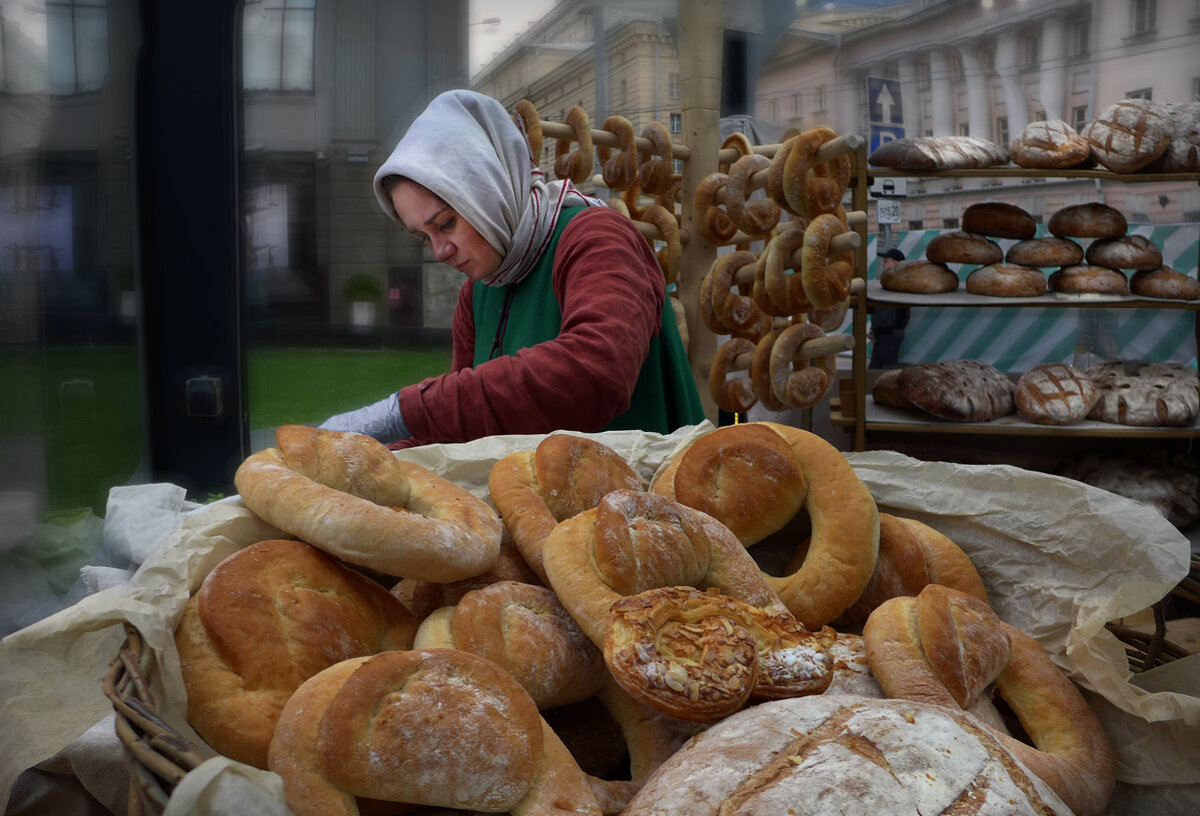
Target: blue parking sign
881,134
883,97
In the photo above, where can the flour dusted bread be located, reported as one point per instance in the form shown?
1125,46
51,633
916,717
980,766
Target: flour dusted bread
1183,152
958,390
1167,480
1047,250
920,276
849,755
1137,392
265,619
1055,394
1126,252
1049,145
1129,134
1086,279
939,153
1164,282
962,247
1007,280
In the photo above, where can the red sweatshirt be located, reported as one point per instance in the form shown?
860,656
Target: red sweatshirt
611,292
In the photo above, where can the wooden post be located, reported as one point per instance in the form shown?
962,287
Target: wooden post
700,46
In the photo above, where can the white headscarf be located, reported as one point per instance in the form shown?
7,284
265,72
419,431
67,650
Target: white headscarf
468,150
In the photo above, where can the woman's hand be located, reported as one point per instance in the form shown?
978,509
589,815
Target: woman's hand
379,420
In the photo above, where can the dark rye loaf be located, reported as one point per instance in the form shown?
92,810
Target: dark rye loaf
958,390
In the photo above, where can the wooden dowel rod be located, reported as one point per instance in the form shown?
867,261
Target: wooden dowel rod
820,347
826,152
561,130
652,232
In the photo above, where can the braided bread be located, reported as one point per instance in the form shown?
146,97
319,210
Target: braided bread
576,164
810,188
826,281
800,383
714,221
656,173
756,217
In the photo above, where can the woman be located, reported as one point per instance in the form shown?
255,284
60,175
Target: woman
562,322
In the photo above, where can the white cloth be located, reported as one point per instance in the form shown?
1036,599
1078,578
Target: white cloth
467,149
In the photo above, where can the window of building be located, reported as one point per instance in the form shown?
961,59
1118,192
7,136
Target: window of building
1079,117
1140,93
76,45
962,100
1031,47
795,105
956,66
1080,32
277,45
923,79
623,98
987,57
821,98
673,90
677,123
964,129
1144,12
1002,130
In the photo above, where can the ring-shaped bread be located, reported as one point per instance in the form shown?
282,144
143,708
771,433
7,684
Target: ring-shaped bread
708,314
845,521
656,171
944,647
826,280
576,164
758,290
563,475
456,730
531,126
760,372
734,395
812,188
265,619
629,196
800,383
669,255
713,220
526,630
785,291
775,190
699,655
738,141
736,311
633,541
348,495
619,171
755,217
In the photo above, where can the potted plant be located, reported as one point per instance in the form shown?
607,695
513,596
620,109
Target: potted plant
364,291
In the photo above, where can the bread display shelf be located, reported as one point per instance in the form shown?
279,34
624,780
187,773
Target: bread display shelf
1012,171
878,296
881,418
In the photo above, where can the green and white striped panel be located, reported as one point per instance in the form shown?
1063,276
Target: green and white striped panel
1015,340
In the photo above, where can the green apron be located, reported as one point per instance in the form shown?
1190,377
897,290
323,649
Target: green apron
665,396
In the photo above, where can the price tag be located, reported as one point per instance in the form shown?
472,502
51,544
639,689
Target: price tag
887,211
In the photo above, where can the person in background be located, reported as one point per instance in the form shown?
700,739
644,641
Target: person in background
562,322
887,325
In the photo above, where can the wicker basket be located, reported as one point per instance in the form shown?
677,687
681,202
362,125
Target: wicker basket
158,756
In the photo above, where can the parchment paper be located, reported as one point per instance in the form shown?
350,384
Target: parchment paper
1059,558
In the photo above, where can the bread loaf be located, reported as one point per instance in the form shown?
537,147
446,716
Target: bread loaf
920,276
1126,252
1045,251
961,247
958,390
1168,481
886,390
1007,280
1183,152
938,153
849,755
1089,280
1136,392
1090,220
1049,145
998,219
1128,135
1164,282
1054,394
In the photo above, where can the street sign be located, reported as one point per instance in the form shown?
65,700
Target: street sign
883,97
887,211
881,134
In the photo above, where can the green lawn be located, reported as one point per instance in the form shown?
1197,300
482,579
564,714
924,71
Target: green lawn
71,417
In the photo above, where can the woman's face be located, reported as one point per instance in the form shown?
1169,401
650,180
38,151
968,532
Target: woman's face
447,234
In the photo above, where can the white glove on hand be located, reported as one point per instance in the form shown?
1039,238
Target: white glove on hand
380,420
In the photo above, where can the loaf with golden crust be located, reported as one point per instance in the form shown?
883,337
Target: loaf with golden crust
1007,280
941,647
436,727
264,620
349,495
845,523
526,630
912,555
1049,145
564,475
849,755
699,655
